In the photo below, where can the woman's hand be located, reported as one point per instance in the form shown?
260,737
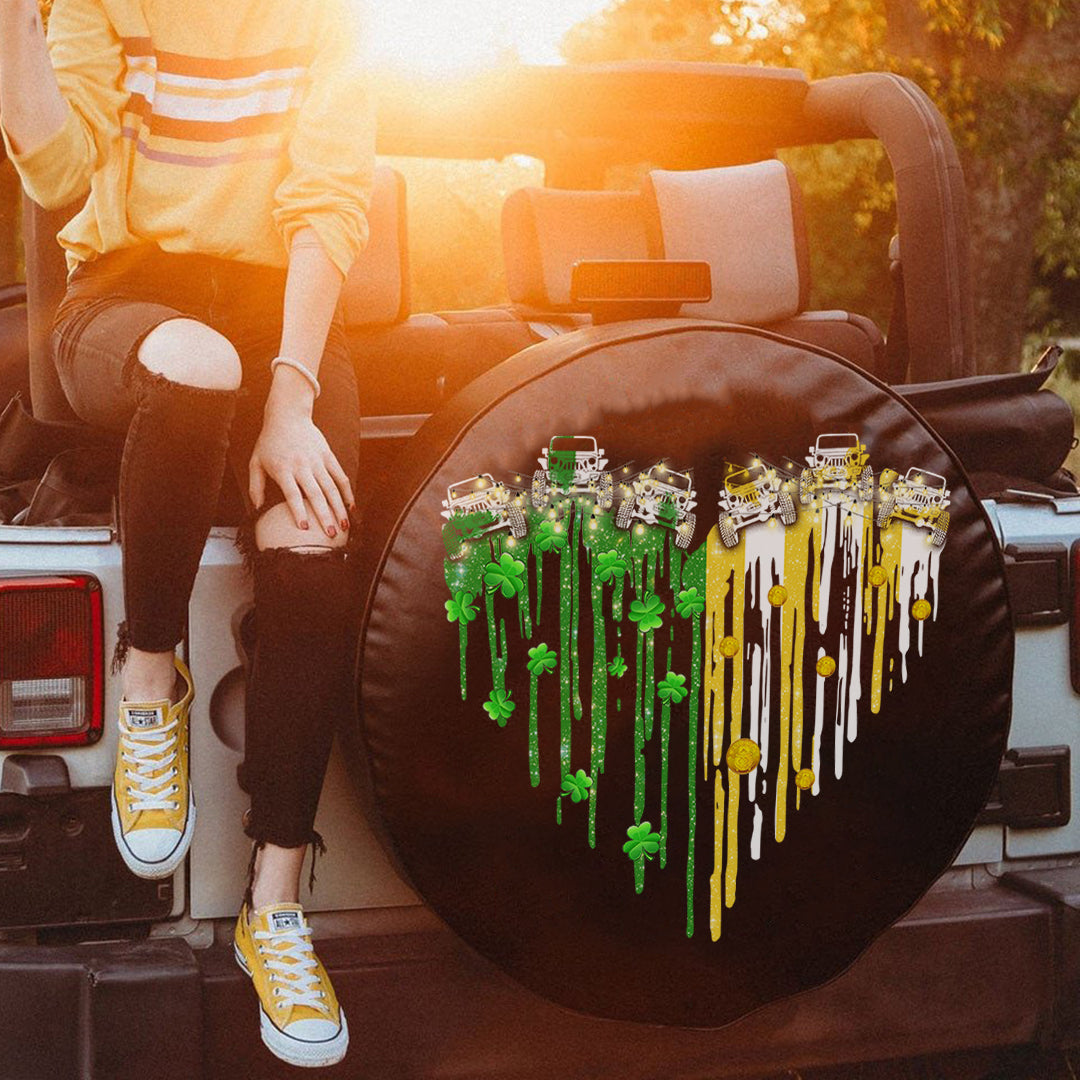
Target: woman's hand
294,453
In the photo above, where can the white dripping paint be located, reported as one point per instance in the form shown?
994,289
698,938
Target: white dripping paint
914,572
932,565
853,540
764,557
755,839
756,693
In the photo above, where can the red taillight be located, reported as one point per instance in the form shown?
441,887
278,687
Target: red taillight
1074,626
51,669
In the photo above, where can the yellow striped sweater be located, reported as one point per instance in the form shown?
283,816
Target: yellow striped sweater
214,126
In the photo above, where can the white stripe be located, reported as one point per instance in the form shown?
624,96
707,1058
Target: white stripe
239,83
140,82
137,66
258,104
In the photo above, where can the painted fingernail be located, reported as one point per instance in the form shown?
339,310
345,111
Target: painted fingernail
331,532
303,524
344,523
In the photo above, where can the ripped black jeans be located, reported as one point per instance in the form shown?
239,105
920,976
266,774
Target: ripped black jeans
179,440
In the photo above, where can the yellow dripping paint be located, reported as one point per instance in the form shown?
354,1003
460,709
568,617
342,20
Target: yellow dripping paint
716,893
724,573
885,602
792,635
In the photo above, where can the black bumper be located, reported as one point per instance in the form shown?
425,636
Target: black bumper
966,968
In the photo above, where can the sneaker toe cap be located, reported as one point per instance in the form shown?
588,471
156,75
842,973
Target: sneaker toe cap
312,1029
153,845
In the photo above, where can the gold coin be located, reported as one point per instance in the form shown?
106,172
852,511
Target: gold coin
729,647
826,666
877,576
921,609
777,595
743,756
804,779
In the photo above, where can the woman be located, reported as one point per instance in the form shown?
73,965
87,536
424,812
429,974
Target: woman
225,154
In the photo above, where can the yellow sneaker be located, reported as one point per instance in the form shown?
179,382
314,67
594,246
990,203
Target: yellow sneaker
300,1019
153,809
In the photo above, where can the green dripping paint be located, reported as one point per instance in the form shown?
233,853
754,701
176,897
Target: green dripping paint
599,692
541,659
566,659
463,641
575,605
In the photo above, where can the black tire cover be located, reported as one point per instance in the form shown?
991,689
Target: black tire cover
481,844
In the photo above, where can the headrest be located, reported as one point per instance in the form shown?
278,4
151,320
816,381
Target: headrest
377,288
546,230
746,221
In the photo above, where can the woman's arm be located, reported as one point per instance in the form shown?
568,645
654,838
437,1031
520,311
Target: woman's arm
59,103
31,105
291,450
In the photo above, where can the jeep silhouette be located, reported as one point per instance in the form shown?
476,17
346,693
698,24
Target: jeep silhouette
920,497
754,493
475,507
661,496
572,465
838,470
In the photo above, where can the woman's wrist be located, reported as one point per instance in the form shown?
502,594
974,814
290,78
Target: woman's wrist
290,393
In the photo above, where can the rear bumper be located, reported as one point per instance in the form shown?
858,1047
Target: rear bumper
966,968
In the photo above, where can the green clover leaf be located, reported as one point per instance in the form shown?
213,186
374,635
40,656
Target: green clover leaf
506,575
617,667
541,659
577,787
690,602
550,536
672,688
499,706
643,842
646,612
610,564
461,608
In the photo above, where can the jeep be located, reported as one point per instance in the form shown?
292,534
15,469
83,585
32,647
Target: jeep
660,496
476,507
920,497
838,471
572,465
756,492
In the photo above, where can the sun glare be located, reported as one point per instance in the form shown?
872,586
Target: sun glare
451,36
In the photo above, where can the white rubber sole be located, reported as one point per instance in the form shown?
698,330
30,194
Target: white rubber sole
305,1055
155,870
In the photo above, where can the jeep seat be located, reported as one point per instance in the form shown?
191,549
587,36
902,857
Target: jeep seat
757,256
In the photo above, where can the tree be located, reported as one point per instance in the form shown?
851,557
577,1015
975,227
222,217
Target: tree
1005,75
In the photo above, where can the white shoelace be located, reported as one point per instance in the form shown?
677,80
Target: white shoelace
150,752
297,983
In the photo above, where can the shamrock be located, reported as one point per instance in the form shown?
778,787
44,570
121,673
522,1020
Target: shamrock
505,575
690,602
646,613
541,659
499,706
672,688
577,787
461,608
643,842
550,536
610,564
617,667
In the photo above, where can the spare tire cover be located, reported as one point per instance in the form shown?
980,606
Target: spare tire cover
681,848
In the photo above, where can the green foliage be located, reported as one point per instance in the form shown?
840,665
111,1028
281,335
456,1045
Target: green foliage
506,575
461,608
541,659
499,706
643,842
690,602
646,612
609,564
672,688
576,786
